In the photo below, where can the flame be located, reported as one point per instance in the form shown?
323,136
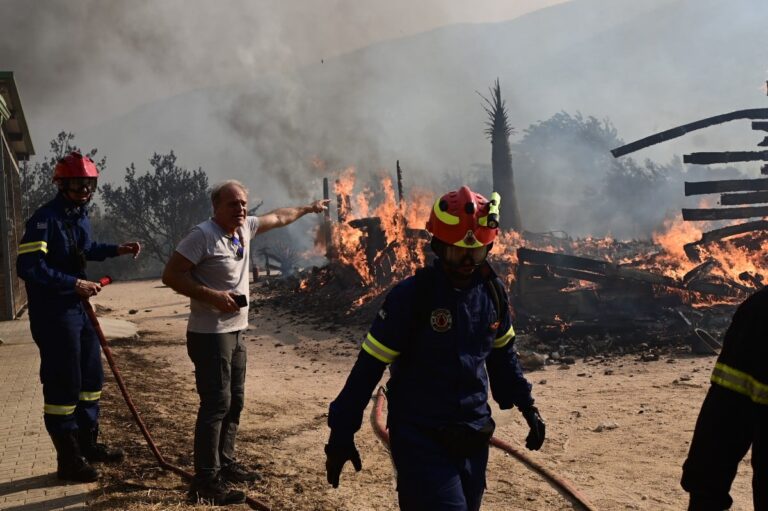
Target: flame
403,251
739,261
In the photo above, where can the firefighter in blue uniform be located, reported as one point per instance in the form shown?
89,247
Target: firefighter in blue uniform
734,415
446,332
51,261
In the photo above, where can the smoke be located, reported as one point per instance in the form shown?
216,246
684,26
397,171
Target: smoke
259,90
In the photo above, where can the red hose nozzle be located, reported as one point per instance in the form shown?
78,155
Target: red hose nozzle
105,280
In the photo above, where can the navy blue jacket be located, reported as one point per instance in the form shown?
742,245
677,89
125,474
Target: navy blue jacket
438,364
56,242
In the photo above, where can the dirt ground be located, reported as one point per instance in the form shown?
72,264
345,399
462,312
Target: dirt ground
618,428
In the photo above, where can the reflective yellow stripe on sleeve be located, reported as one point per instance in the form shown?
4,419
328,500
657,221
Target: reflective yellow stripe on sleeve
741,382
378,351
33,246
59,409
502,341
90,396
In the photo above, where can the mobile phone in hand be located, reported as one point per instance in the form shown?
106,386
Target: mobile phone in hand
241,300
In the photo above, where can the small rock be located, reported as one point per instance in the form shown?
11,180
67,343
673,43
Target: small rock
542,382
569,360
530,360
605,426
581,374
608,372
563,366
133,311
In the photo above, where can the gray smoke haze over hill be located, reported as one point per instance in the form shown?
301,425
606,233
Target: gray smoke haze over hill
259,90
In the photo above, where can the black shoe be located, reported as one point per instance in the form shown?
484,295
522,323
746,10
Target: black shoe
96,452
70,464
214,492
236,473
102,453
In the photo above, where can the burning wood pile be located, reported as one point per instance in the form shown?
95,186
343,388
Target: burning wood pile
577,294
584,294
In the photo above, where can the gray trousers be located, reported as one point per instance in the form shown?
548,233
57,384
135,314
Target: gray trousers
220,379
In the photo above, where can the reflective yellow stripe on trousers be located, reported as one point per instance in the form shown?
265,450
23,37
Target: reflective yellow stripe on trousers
59,409
90,396
741,382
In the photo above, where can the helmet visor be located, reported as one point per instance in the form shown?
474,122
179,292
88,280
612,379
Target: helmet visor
81,184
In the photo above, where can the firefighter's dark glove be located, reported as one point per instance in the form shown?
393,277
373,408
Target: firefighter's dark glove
337,454
537,428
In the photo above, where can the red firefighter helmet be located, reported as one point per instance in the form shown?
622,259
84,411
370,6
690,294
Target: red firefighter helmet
460,218
75,165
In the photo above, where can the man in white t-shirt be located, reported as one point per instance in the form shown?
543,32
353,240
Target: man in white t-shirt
210,265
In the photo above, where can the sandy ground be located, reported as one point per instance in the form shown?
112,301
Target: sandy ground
617,428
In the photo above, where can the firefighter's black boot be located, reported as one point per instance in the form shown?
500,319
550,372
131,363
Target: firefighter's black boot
71,465
95,452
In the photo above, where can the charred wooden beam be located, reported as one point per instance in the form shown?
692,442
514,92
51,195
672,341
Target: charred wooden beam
691,249
760,125
527,255
727,185
399,185
604,268
725,157
700,271
696,215
329,253
754,113
734,199
733,230
343,205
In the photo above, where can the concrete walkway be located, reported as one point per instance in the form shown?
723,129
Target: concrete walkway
27,458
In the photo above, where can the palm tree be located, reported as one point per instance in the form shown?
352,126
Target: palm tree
498,131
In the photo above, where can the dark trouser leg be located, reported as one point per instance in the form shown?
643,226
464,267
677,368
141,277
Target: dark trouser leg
92,372
760,460
237,389
58,339
211,355
427,478
722,437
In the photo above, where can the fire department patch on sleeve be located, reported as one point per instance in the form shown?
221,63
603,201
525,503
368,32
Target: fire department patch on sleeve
441,320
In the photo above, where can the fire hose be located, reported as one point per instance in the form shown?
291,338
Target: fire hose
253,503
562,484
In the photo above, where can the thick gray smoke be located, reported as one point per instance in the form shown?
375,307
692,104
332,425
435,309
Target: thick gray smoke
258,90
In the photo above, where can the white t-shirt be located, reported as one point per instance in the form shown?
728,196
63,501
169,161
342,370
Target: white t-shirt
214,255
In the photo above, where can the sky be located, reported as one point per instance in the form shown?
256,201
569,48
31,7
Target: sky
80,62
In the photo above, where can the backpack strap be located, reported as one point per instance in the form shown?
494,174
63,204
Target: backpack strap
495,289
423,279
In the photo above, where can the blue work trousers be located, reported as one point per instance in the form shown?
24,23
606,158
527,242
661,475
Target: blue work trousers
429,478
70,367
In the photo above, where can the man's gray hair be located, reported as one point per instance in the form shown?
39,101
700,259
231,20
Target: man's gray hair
218,187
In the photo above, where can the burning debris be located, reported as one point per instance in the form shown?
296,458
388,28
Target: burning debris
577,296
572,297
